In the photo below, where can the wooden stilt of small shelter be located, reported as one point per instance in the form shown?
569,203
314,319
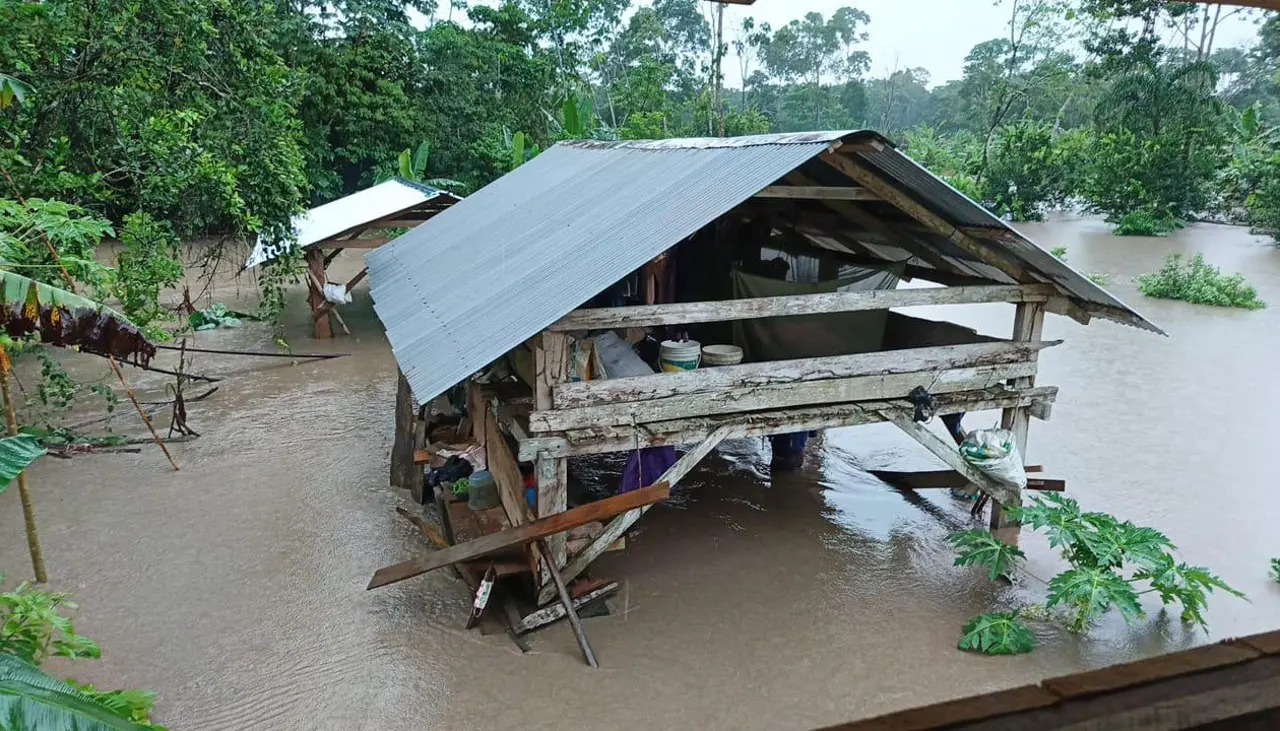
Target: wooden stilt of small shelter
404,473
551,366
315,296
1028,323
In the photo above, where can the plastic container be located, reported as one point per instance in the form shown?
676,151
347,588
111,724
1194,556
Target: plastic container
678,356
721,355
483,493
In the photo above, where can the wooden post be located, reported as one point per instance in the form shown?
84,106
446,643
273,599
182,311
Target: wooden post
567,600
551,361
403,470
315,269
1028,323
619,525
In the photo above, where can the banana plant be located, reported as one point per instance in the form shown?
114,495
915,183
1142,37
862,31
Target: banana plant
33,701
12,91
413,167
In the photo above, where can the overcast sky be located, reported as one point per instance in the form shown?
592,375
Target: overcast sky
935,34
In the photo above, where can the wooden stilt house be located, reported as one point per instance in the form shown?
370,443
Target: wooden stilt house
755,241
364,221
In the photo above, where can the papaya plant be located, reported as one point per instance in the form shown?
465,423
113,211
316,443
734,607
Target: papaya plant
1110,561
997,633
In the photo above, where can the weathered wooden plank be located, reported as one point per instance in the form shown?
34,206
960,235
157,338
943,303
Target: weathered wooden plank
952,458
619,525
801,304
503,467
953,714
522,534
750,375
553,497
554,612
604,439
404,471
1028,324
818,192
1141,672
941,479
782,395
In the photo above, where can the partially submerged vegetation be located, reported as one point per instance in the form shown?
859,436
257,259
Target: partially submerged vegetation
37,626
1196,281
1112,564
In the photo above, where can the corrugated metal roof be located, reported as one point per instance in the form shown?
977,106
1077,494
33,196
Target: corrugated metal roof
459,291
462,289
350,212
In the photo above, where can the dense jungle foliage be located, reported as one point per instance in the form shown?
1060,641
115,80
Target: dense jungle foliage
160,120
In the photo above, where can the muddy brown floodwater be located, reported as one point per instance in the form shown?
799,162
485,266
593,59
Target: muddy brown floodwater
235,588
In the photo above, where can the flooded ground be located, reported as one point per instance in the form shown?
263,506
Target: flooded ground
235,587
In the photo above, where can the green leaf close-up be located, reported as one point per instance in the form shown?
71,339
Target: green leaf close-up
996,633
16,455
984,549
30,700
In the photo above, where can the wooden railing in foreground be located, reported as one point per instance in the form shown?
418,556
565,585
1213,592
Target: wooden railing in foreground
1231,685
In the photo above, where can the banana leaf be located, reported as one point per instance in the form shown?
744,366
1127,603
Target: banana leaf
30,700
63,318
16,454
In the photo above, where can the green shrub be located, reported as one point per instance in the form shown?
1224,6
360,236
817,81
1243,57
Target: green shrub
1145,223
1275,569
1196,281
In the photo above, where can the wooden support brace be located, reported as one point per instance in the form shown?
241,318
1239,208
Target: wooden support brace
521,535
315,278
619,525
818,192
950,456
566,600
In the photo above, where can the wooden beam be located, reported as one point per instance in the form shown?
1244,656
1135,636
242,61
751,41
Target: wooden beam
818,192
940,479
551,360
605,439
521,535
894,235
366,243
781,395
801,304
952,458
315,296
404,468
566,601
908,205
503,467
750,375
619,525
554,612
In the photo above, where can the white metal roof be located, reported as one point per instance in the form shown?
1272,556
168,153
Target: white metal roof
350,212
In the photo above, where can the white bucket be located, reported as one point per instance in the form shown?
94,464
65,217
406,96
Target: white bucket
721,355
678,356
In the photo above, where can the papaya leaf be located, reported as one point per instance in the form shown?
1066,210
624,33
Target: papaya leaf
981,548
1112,543
1189,586
997,633
16,454
1058,514
1090,592
33,701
